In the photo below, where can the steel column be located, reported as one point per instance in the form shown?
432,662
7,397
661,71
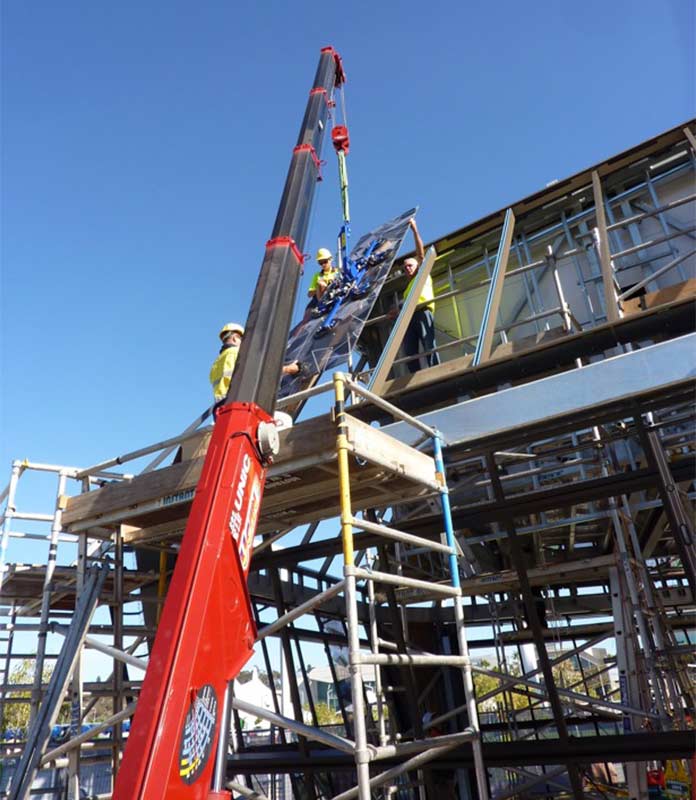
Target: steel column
533,621
624,637
396,335
679,520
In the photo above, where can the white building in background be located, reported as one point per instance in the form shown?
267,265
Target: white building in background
254,691
323,690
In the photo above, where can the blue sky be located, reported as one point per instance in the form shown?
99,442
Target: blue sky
145,146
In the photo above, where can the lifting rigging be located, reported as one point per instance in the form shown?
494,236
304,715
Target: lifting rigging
353,281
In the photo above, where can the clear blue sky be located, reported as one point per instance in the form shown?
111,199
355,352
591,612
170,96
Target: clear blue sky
145,145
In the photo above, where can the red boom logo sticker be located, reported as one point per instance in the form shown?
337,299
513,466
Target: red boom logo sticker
245,512
246,541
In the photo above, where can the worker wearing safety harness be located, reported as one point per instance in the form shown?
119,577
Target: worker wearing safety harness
421,329
327,274
223,366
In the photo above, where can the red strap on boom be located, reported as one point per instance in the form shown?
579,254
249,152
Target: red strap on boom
286,241
317,161
319,90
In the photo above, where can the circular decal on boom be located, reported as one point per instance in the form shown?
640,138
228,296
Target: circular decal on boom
198,734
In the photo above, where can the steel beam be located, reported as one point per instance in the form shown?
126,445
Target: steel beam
679,520
534,622
465,516
652,369
579,750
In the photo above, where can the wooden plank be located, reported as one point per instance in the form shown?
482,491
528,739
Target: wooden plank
196,447
302,485
162,485
671,294
515,346
174,484
379,448
156,534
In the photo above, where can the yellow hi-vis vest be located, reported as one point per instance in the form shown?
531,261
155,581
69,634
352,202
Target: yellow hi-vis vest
327,277
221,372
427,293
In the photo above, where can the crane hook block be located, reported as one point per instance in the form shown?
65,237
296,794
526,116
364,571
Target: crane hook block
339,137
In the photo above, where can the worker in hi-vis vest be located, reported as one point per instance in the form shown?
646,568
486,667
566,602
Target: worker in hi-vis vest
420,334
326,275
223,366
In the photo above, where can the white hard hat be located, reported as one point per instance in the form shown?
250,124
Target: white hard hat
231,327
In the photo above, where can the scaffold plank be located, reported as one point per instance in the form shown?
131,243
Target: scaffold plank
302,484
378,448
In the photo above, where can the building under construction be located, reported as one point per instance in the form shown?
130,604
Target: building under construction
492,559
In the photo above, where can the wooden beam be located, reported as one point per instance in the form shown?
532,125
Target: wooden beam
386,360
495,292
691,138
610,302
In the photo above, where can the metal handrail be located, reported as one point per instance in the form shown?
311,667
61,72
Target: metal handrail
143,451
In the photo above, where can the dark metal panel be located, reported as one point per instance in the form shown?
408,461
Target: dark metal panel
321,350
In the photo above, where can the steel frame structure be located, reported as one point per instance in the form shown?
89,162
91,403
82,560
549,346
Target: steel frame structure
570,532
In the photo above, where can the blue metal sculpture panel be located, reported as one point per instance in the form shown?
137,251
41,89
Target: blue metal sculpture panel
328,331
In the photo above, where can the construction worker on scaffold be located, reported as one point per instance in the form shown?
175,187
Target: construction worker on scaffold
420,333
326,275
223,367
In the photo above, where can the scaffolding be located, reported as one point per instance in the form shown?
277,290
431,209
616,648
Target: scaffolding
494,557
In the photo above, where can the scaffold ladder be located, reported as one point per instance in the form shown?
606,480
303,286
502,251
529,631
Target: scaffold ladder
40,728
421,751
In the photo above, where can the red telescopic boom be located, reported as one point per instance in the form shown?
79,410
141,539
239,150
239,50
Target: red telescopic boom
178,740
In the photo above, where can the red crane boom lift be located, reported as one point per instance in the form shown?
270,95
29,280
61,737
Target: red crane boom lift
178,740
